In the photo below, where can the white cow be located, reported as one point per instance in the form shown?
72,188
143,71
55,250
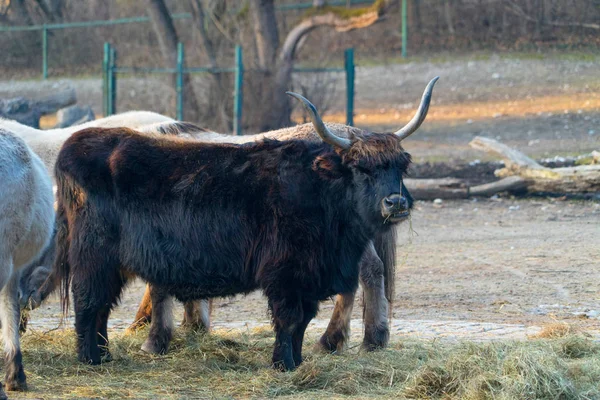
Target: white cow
26,226
27,157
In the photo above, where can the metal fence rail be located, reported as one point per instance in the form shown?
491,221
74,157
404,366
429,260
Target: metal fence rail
44,28
110,71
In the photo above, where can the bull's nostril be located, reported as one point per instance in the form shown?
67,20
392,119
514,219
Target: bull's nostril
388,202
403,203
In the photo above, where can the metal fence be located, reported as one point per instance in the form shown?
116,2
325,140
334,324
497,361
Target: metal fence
110,71
44,28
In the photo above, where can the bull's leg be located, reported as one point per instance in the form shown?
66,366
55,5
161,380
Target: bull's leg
336,337
10,316
196,315
144,313
96,285
377,333
287,316
86,322
161,329
309,310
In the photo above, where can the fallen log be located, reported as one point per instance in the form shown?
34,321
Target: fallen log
451,188
431,189
74,115
508,184
28,112
580,179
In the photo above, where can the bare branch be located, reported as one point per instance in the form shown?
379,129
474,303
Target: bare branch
329,16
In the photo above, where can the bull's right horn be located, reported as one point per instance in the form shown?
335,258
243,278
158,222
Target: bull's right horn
419,117
324,133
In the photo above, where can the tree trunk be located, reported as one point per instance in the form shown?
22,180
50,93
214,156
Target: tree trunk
167,42
274,111
21,12
418,25
265,33
217,95
448,17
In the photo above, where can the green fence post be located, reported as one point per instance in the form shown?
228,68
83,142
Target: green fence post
238,91
44,52
179,83
112,82
404,29
349,67
105,92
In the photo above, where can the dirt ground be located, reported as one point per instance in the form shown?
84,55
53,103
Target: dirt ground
508,261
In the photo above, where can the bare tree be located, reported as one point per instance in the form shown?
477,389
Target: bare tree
167,42
276,110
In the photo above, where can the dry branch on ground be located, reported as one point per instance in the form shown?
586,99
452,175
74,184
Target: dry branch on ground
580,179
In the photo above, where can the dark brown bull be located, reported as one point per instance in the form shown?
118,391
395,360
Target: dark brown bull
377,265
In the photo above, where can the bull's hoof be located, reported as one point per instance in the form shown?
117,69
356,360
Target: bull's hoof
137,325
155,347
2,394
375,339
90,360
332,343
15,379
282,366
16,385
105,356
194,326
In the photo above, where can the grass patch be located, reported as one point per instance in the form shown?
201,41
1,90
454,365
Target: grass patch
235,364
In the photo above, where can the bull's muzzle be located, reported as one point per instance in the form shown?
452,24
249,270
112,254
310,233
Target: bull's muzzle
395,207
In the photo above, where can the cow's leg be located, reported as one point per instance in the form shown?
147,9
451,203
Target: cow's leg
309,310
161,328
377,333
6,270
287,316
336,337
10,316
196,315
144,313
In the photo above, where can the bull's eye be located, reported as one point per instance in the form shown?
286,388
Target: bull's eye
364,170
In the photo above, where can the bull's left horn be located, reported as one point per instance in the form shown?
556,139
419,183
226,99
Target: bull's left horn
326,134
419,117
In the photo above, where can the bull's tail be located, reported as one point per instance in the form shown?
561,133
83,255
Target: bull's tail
61,270
385,245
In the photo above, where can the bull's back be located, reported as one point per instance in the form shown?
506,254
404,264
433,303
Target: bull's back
143,196
85,157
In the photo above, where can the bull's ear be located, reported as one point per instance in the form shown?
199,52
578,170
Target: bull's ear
329,166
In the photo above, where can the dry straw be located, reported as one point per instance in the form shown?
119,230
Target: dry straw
235,364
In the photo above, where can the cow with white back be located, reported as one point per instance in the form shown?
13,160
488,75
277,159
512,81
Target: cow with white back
26,225
197,220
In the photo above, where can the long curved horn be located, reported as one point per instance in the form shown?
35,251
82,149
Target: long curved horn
419,117
326,134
